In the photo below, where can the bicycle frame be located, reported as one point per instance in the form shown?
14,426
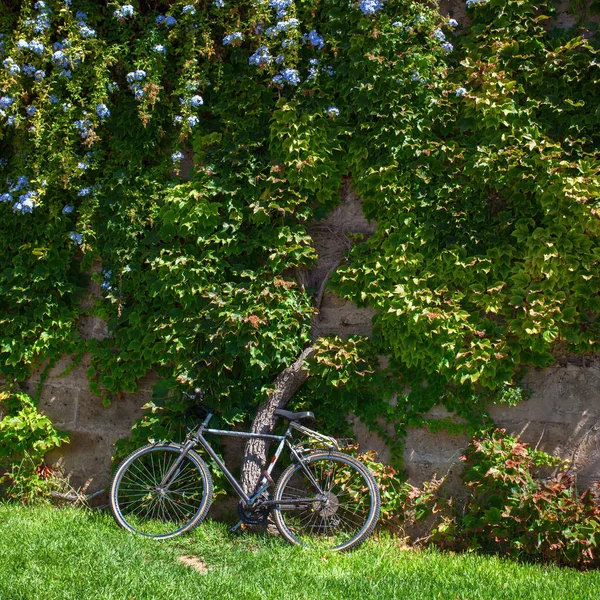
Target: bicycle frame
265,482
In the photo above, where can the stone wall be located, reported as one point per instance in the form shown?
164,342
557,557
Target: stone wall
562,416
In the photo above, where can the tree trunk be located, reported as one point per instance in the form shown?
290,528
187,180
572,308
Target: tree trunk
286,385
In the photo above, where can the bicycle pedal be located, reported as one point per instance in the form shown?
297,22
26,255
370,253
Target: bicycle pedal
237,527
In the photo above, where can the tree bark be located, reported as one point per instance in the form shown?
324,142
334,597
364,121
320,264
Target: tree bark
286,385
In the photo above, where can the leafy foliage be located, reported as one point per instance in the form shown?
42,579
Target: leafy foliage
25,437
476,154
512,513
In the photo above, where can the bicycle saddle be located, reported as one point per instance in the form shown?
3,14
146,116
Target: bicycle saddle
292,416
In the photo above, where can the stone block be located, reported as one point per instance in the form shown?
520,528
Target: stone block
86,460
118,417
59,404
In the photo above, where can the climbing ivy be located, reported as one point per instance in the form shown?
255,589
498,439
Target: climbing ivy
473,145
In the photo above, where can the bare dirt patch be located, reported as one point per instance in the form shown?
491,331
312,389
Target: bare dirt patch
195,563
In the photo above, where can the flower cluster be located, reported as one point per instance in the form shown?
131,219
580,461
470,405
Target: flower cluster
333,111
42,22
77,238
102,111
289,76
280,6
370,7
6,102
447,47
167,21
105,285
84,127
281,27
189,9
314,39
11,66
85,31
177,157
461,91
26,203
133,80
471,3
125,12
261,57
159,48
231,37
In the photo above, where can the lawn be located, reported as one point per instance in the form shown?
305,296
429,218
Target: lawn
62,554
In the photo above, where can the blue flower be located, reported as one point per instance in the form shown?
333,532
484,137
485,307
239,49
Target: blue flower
60,59
125,12
447,47
36,46
68,209
397,24
289,76
438,34
333,111
102,111
196,101
280,59
26,203
168,21
39,75
54,99
193,121
188,9
83,166
471,3
39,5
77,238
31,110
139,94
6,198
11,120
370,7
6,101
314,39
13,68
159,48
80,15
219,3
84,192
461,91
177,119
261,57
453,23
286,43
138,75
112,87
66,74
280,6
66,106
105,285
29,70
177,157
231,37
282,26
22,45
86,32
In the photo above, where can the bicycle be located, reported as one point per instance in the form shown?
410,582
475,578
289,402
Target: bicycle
324,498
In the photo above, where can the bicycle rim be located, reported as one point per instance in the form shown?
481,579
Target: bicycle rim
340,518
141,505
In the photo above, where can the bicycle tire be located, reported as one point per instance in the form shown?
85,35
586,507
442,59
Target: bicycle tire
138,504
328,523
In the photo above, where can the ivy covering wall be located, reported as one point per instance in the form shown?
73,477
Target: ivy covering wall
473,145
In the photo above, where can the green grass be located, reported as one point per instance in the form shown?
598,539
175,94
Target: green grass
62,554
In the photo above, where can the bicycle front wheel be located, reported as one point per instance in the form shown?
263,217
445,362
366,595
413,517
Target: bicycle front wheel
143,504
339,516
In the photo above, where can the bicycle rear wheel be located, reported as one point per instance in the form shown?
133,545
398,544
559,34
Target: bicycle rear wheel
341,517
141,505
